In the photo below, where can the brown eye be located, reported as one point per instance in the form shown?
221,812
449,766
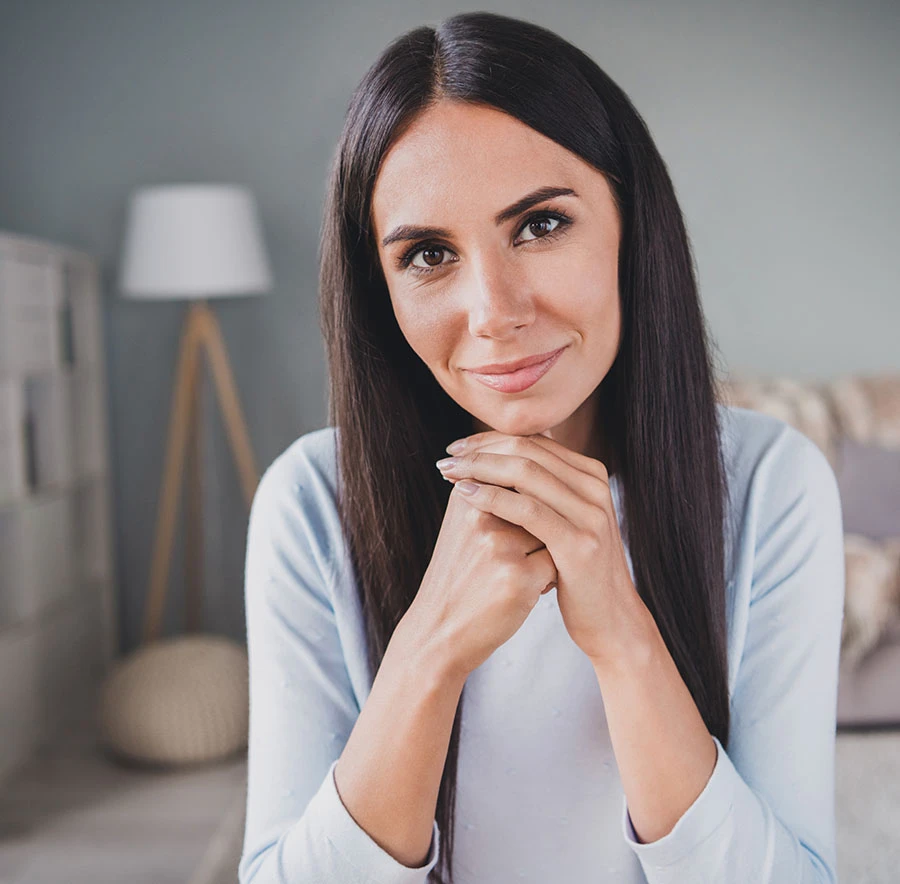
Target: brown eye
539,227
432,254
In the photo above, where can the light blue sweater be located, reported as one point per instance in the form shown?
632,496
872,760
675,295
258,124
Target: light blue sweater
539,797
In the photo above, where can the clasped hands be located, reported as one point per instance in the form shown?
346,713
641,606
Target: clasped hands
563,498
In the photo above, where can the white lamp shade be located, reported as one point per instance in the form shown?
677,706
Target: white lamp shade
193,241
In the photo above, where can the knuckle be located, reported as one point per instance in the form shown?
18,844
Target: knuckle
531,507
471,513
506,575
531,468
600,520
588,543
604,491
588,539
493,543
519,445
488,494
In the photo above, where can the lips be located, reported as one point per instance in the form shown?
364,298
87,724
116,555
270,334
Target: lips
514,365
521,378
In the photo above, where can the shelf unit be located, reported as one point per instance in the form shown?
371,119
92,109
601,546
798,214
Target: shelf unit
58,613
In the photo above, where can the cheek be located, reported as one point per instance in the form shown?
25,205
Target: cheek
426,331
584,277
587,296
600,307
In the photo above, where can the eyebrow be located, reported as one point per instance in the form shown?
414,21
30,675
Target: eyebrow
406,232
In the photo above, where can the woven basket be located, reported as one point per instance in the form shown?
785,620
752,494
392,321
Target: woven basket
176,701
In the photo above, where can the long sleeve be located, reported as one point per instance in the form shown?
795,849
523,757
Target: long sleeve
766,815
302,706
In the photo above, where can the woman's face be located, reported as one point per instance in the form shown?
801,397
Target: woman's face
498,283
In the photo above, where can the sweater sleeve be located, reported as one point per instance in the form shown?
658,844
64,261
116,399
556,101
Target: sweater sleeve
302,706
767,815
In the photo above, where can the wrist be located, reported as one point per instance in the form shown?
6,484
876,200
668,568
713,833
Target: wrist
423,654
636,643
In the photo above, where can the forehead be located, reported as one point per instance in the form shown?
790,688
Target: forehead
456,158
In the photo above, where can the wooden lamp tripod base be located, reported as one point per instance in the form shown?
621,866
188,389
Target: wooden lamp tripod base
200,332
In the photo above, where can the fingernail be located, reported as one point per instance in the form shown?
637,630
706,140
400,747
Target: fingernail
467,487
456,447
446,463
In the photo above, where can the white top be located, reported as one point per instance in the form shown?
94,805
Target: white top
539,797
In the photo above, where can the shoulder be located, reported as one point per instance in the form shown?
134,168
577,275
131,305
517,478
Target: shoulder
294,509
769,462
786,506
784,503
312,455
304,473
785,537
764,451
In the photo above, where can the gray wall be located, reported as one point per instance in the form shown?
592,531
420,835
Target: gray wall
779,121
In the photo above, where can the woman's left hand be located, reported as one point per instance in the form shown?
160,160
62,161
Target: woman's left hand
563,498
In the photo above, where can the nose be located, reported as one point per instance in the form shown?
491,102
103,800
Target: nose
500,300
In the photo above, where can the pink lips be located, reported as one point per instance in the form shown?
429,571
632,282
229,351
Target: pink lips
516,381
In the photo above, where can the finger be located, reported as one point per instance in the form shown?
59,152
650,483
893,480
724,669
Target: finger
528,512
574,459
590,487
547,575
526,476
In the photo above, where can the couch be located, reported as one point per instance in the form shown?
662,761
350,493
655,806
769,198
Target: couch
855,420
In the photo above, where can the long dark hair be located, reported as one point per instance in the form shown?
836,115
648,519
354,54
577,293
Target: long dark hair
658,402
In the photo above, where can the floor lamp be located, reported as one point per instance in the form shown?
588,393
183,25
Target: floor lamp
193,242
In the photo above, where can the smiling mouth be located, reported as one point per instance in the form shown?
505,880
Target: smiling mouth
521,379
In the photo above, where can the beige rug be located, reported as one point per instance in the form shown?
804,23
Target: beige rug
867,797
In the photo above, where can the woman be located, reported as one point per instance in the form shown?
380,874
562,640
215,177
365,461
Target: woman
641,601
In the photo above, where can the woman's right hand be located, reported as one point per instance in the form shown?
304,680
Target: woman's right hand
484,578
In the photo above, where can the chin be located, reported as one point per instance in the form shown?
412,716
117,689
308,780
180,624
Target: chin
519,426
